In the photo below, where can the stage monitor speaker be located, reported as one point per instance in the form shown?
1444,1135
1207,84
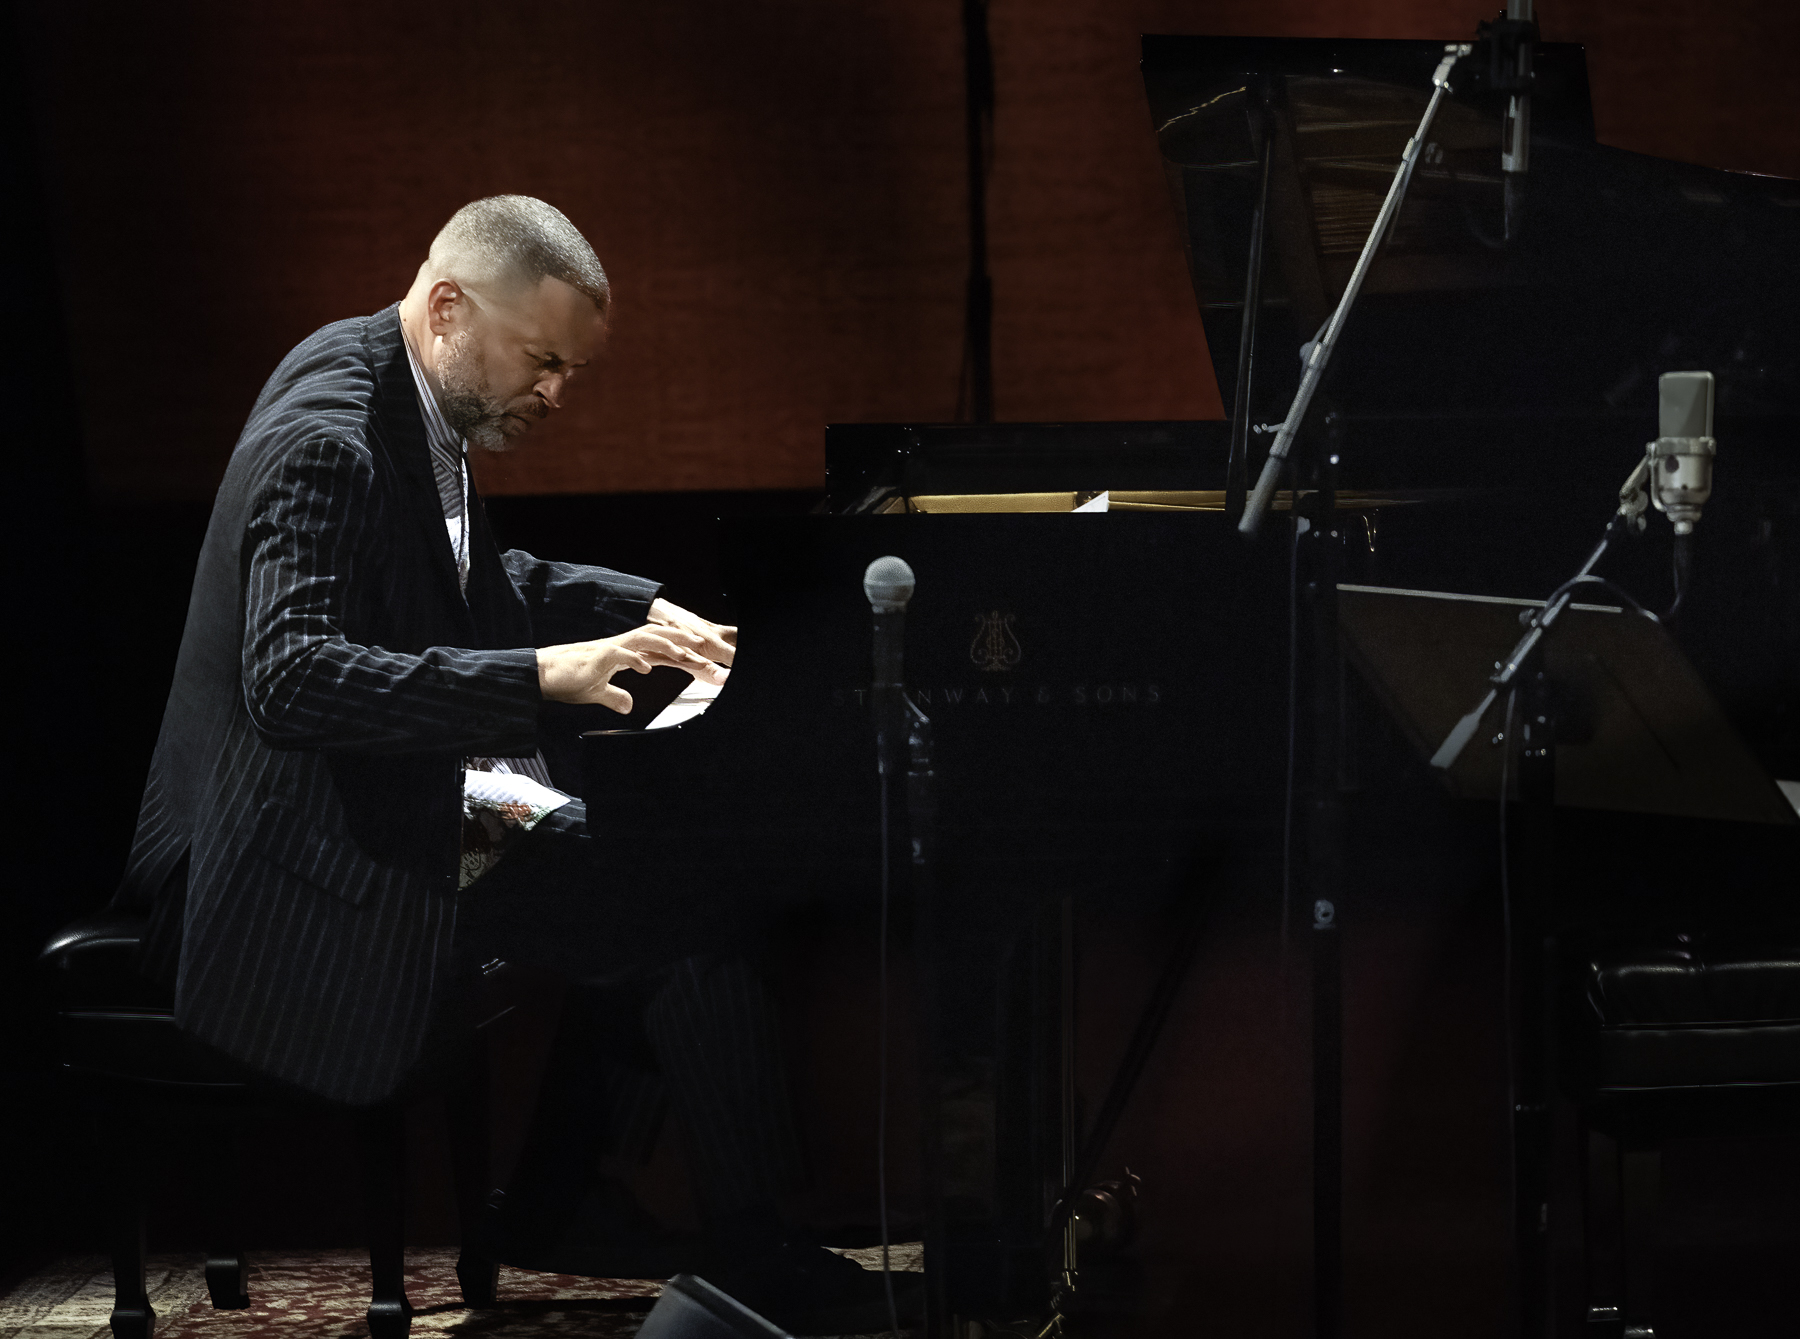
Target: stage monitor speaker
691,1308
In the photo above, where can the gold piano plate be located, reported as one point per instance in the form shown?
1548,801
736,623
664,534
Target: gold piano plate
1168,500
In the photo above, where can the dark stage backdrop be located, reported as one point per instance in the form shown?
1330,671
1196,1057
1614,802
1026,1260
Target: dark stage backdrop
777,189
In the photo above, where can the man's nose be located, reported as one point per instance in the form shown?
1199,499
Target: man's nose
550,387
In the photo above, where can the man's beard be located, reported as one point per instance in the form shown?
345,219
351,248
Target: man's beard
469,408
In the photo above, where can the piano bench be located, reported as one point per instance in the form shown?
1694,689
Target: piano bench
122,1058
1684,1036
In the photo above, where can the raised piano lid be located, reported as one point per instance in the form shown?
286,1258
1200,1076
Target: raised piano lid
1629,266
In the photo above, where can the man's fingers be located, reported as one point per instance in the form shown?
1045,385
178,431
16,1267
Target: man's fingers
582,671
663,648
674,646
718,648
710,672
650,637
717,640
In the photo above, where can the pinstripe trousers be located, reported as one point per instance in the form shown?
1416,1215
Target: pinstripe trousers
665,1006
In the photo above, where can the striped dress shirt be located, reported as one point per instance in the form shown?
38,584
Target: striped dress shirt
450,466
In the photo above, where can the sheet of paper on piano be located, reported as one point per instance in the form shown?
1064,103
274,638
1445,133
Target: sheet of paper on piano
498,790
689,703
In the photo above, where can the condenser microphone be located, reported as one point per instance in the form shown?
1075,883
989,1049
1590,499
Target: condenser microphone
888,583
1681,458
1515,128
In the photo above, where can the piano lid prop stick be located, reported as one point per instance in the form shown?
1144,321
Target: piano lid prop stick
1321,351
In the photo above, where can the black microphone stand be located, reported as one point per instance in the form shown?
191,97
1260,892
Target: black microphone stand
1317,553
921,843
1318,355
889,695
1534,703
903,741
1318,556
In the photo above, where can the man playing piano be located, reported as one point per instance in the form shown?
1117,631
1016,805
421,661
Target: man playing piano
361,665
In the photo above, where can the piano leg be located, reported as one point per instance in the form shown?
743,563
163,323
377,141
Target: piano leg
1603,1230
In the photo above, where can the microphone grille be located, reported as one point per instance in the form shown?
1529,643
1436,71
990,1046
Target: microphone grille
1686,404
888,583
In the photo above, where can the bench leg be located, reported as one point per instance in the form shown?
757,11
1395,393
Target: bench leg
1642,1168
383,1140
466,1107
132,1316
227,1272
227,1279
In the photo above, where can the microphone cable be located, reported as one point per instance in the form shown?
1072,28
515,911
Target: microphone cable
1683,572
1611,587
1506,939
1293,712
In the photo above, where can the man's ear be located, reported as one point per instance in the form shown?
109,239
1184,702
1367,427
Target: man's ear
446,307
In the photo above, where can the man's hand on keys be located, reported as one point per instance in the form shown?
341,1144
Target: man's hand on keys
582,672
720,639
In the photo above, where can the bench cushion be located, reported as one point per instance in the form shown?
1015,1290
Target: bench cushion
1691,1013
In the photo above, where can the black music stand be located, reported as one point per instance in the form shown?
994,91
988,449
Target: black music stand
1639,732
1611,717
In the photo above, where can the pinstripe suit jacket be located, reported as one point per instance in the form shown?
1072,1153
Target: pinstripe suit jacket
331,679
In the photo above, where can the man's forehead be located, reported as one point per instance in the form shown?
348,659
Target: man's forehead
553,312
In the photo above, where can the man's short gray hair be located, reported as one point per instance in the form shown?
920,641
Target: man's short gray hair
514,239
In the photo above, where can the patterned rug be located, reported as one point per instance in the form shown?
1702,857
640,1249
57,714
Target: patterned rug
324,1294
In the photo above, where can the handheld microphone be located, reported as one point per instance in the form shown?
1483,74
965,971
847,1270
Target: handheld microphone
888,582
1681,458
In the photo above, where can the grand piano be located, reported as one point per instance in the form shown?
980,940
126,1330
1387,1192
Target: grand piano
1116,700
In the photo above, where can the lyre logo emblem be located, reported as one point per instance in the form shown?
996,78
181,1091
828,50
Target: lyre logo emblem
995,647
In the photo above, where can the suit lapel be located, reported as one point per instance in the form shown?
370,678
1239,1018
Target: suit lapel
400,436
